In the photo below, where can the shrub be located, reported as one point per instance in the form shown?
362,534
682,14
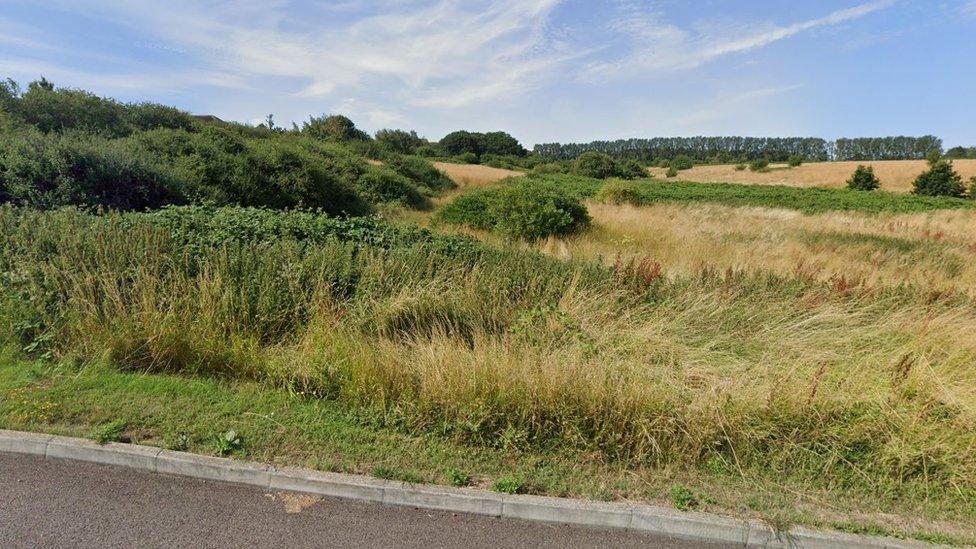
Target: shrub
524,209
50,171
939,180
421,172
740,167
795,160
759,165
618,192
601,166
632,169
863,179
427,151
498,143
548,168
972,188
467,158
333,128
933,157
682,162
672,172
383,186
400,141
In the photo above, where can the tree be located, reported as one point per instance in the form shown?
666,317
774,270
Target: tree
400,141
497,143
863,179
460,142
795,160
940,180
334,127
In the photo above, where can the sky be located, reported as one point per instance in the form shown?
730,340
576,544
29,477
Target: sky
543,70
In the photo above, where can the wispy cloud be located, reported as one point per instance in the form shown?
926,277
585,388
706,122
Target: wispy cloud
656,46
447,54
969,8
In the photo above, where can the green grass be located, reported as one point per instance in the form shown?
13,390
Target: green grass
187,414
807,200
354,345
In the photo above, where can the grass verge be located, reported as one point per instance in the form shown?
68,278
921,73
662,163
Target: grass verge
194,414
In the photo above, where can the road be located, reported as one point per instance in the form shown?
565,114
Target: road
51,503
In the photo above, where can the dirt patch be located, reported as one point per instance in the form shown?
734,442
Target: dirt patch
293,503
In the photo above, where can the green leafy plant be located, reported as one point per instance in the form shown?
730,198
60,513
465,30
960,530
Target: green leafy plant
508,485
795,160
759,165
229,443
863,179
672,172
110,432
939,180
617,191
683,498
740,167
458,477
682,162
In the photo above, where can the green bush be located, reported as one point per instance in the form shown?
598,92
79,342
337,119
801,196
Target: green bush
468,158
632,169
740,167
939,180
382,186
672,172
863,179
427,151
795,160
602,166
54,170
618,192
400,141
523,209
548,168
759,165
682,162
421,172
333,128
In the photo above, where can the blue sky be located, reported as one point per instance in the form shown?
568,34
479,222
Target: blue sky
544,70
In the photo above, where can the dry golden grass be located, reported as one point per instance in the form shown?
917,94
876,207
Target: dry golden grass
895,175
931,249
473,175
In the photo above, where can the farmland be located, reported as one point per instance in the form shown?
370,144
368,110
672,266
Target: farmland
895,175
342,301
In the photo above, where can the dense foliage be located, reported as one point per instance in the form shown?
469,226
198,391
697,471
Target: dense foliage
63,147
939,180
601,166
863,179
524,209
735,149
496,143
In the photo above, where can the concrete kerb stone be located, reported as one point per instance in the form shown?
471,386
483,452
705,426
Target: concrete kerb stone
124,455
328,484
24,443
477,502
213,468
587,513
661,521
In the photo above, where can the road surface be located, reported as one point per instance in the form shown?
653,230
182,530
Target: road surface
51,503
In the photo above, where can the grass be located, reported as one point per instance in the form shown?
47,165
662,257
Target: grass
806,200
400,352
896,175
928,250
187,414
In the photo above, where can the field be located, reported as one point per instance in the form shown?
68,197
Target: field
895,175
793,354
473,175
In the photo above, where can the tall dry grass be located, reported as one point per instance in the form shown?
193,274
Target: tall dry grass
474,175
931,250
747,371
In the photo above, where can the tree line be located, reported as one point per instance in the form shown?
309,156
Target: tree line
738,148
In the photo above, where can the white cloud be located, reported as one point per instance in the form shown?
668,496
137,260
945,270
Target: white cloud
657,46
969,8
447,54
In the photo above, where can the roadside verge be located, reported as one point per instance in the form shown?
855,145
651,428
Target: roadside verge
642,518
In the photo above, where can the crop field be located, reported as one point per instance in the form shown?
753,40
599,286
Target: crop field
473,175
895,175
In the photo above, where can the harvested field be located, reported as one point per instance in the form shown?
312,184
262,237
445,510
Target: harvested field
473,175
895,175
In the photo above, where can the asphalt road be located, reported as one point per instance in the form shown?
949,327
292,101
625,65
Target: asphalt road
50,503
